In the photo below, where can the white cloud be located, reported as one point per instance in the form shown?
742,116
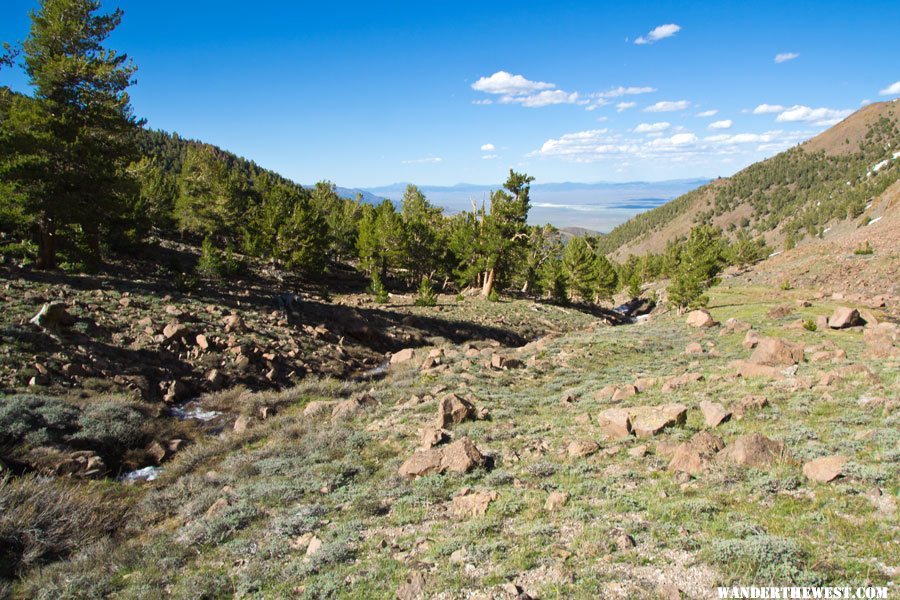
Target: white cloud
488,148
652,127
785,56
625,106
545,98
659,33
483,101
764,109
422,161
723,124
865,102
601,144
667,106
820,116
502,82
490,156
625,91
891,90
708,113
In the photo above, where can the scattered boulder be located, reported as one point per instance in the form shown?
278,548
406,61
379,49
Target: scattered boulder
693,348
751,339
826,468
748,369
175,331
605,394
735,325
53,315
615,423
626,391
748,404
714,414
647,421
233,323
474,504
403,356
502,363
694,457
775,352
461,456
351,407
844,317
422,462
582,448
433,436
754,450
453,410
700,318
679,381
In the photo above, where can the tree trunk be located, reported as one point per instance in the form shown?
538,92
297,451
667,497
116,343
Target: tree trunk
47,246
488,286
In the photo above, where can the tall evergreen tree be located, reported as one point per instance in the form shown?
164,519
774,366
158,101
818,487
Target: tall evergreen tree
580,266
503,229
423,246
700,261
72,141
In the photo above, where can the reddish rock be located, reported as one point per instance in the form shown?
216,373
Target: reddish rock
775,352
422,462
826,468
751,339
700,318
714,414
754,450
693,457
351,407
615,423
647,421
626,391
882,340
461,456
453,410
748,404
693,348
582,448
679,381
403,356
843,317
474,504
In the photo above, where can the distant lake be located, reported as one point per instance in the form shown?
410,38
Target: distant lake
595,206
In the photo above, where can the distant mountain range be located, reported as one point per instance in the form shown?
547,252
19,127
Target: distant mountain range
597,206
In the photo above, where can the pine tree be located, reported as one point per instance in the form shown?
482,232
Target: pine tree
580,266
72,141
701,260
607,278
504,228
423,243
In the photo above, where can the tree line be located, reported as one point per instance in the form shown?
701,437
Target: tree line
81,177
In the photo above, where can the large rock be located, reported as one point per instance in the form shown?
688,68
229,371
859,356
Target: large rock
754,450
700,318
826,468
775,352
413,588
747,369
461,456
351,407
751,339
453,410
694,457
474,504
626,391
679,381
615,423
843,317
582,448
647,421
422,462
748,404
714,414
53,315
403,356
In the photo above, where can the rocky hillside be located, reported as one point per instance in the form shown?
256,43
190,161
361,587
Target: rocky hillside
654,460
835,178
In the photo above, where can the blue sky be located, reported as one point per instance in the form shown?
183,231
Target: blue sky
366,94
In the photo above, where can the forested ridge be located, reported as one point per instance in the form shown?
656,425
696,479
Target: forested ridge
797,192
